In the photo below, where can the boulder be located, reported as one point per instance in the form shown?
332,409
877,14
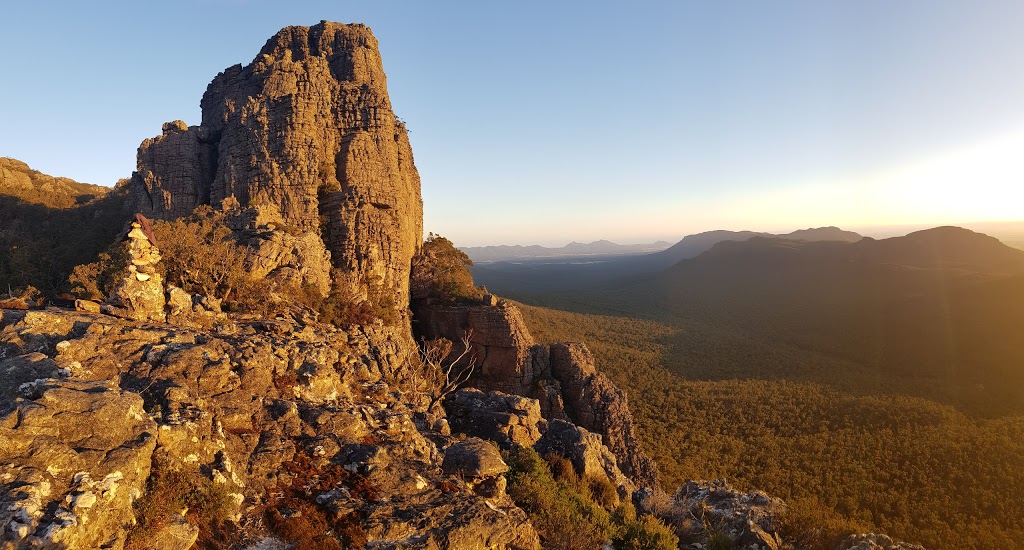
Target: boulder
588,455
500,417
473,458
748,518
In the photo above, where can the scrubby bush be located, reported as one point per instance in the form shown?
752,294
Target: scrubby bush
641,533
202,256
567,510
440,273
169,492
97,280
602,491
564,517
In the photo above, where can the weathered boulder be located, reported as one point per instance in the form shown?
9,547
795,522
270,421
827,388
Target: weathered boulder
500,417
749,519
473,457
307,127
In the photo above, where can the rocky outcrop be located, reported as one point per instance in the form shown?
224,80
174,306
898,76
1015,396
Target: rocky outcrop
308,128
499,339
589,456
597,404
76,455
872,541
500,417
286,415
750,520
562,377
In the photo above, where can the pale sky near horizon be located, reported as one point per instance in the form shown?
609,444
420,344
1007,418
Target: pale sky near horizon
546,122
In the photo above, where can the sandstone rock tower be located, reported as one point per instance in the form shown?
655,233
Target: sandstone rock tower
307,127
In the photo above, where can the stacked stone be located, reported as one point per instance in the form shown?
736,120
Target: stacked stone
140,295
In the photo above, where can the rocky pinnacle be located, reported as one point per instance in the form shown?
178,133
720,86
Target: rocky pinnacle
306,126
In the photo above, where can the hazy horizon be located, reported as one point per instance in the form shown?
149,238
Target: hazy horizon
1014,228
536,123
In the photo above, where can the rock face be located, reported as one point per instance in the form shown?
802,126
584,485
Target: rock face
307,127
562,377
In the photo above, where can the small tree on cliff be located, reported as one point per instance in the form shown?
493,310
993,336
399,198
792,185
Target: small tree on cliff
440,273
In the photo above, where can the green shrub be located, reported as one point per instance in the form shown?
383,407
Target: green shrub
97,280
719,541
562,468
644,533
602,491
201,256
440,273
565,519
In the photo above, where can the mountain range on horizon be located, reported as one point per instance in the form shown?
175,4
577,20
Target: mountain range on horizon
689,246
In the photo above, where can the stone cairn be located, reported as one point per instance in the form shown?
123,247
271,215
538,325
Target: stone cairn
140,296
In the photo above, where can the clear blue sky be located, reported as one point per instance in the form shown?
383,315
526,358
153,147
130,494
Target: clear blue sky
545,122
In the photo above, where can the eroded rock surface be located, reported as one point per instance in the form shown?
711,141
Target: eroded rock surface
280,411
308,127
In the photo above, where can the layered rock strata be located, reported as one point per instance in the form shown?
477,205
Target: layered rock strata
308,127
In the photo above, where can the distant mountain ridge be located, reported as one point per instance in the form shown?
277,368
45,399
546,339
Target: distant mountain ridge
484,254
20,181
694,245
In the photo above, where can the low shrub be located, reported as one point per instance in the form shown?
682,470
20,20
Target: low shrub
168,493
641,533
565,518
814,526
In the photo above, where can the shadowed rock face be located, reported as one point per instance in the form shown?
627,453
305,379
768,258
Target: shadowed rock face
307,127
